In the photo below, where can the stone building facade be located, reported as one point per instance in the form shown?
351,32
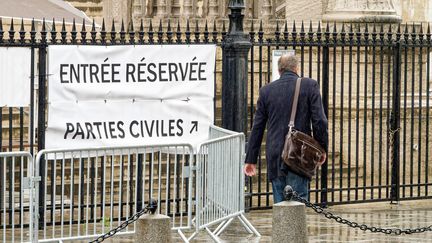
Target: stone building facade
315,10
373,98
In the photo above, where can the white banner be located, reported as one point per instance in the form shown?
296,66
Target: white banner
129,95
15,66
276,54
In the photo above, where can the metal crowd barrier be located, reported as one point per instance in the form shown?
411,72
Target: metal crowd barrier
84,193
220,183
16,196
87,192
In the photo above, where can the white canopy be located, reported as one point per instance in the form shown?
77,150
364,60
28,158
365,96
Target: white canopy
39,9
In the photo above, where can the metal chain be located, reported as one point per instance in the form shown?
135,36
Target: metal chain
149,208
363,227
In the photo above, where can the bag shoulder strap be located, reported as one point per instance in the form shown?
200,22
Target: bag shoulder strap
294,104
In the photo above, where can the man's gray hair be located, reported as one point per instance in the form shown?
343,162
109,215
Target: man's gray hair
287,63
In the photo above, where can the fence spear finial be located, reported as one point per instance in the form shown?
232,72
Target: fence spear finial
428,29
302,27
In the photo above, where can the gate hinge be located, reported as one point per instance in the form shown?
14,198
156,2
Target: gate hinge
29,182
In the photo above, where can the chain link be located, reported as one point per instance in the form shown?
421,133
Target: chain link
149,208
363,227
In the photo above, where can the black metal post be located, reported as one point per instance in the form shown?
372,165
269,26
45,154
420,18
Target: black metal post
395,123
235,71
41,127
325,97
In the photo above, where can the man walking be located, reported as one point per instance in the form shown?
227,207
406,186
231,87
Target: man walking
274,108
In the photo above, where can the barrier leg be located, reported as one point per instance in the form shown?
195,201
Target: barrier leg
222,227
213,236
186,239
245,225
246,222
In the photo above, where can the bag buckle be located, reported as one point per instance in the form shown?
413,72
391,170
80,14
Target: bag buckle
290,127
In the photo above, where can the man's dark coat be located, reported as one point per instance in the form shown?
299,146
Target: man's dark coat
274,108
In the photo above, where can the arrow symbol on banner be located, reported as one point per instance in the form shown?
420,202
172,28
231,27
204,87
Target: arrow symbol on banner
186,100
195,126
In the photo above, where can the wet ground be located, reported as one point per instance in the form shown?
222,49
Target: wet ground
408,214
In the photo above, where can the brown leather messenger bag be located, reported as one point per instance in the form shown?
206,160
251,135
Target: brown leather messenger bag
301,152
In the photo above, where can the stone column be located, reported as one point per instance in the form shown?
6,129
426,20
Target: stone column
266,11
188,8
380,11
223,8
138,10
161,8
149,9
117,10
175,8
213,8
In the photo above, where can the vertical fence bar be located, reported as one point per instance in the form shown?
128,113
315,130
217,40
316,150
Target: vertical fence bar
350,70
365,110
413,78
251,112
428,38
333,109
302,44
32,110
357,147
388,117
261,164
341,121
310,61
41,118
325,97
372,144
395,121
419,131
404,152
381,80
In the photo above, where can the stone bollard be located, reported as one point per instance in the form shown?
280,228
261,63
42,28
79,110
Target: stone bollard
289,221
153,228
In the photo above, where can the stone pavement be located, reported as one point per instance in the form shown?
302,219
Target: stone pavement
408,214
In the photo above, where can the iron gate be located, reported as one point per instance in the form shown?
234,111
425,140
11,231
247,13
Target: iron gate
374,80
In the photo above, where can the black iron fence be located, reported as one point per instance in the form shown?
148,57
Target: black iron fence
375,83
